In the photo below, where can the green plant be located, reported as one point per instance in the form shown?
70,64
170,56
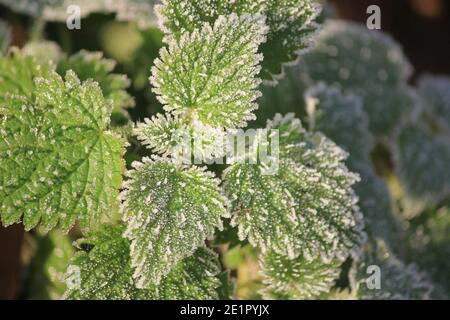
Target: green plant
300,198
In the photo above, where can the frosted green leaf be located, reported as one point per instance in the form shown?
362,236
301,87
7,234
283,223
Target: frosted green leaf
17,73
172,136
45,52
291,25
298,278
170,211
105,272
210,74
341,118
92,65
376,205
5,36
423,164
58,160
367,63
435,92
429,242
398,281
141,11
48,265
307,207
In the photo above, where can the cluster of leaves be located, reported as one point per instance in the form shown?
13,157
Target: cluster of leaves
147,231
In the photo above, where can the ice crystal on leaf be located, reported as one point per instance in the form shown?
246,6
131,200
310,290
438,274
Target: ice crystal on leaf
298,278
141,11
181,140
92,65
367,63
105,272
210,74
58,162
17,74
398,281
291,24
170,211
307,207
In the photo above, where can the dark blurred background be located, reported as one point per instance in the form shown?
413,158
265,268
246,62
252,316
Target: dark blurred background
422,27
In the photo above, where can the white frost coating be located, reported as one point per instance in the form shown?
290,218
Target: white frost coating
180,197
209,75
299,278
291,25
310,169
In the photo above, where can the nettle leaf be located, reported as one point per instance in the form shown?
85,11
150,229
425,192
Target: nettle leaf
305,208
45,52
422,164
210,74
291,23
170,210
398,281
376,205
141,11
17,74
429,243
180,139
5,36
367,63
298,278
48,265
435,91
92,65
341,118
105,272
58,161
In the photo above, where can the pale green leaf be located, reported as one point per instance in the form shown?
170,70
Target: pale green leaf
45,52
105,272
92,65
298,278
291,25
210,74
307,207
58,160
180,139
48,265
17,73
170,211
